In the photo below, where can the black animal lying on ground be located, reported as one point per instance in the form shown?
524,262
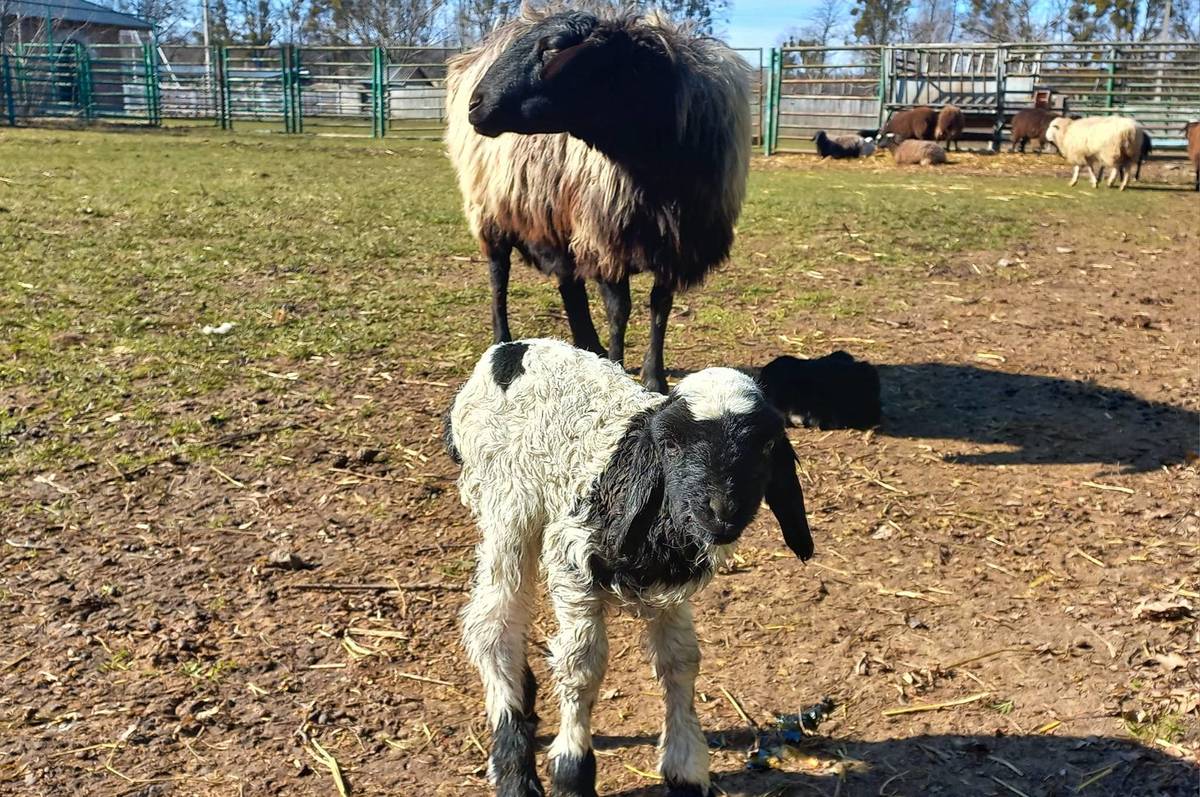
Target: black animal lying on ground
831,392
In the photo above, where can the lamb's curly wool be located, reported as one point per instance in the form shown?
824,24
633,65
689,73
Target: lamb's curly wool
912,152
1112,142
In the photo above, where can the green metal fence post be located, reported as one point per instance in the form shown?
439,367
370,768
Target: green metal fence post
297,95
777,100
226,109
152,80
378,82
6,87
83,89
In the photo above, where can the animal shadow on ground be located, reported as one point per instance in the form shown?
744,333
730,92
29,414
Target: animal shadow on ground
956,766
1046,420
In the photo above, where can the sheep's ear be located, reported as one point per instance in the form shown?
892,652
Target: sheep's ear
629,493
561,59
786,499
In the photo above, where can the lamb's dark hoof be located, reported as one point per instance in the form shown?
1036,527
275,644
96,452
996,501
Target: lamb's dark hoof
573,776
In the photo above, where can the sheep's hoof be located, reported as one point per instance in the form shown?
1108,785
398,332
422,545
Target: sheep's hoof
657,384
675,789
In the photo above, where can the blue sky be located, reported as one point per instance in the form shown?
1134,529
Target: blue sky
761,23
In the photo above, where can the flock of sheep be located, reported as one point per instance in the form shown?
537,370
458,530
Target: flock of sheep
599,147
1117,143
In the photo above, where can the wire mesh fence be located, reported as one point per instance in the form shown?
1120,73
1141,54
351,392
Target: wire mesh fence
796,91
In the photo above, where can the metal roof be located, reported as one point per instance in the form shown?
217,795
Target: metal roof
78,11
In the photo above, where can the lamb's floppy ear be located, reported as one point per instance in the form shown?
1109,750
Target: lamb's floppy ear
787,500
629,493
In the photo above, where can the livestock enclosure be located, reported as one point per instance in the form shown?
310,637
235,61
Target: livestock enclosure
400,91
233,553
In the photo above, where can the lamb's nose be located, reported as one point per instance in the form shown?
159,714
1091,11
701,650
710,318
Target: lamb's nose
721,508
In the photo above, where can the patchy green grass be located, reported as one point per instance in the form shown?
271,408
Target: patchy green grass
116,249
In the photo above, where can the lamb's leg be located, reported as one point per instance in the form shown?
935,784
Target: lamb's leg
616,305
675,655
574,298
495,621
499,256
579,657
1075,176
653,370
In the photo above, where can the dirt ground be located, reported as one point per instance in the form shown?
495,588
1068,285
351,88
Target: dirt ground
1010,560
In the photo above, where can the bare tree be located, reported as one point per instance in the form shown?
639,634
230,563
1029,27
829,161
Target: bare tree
474,19
826,23
167,17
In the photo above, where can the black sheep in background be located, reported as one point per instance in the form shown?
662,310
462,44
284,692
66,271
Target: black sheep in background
831,392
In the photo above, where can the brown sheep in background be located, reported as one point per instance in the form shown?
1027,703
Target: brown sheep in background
950,124
912,152
919,123
1029,125
1192,131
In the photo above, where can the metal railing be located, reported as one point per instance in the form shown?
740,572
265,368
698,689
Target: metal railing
377,91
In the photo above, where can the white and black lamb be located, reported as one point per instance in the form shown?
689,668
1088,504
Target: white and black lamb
627,498
850,146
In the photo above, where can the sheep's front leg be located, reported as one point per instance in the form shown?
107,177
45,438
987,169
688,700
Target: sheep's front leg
575,301
495,622
616,306
1093,175
675,655
653,370
1075,175
499,255
579,657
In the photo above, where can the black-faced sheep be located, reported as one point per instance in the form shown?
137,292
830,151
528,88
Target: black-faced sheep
1192,132
1112,142
631,156
919,123
843,146
950,125
627,498
831,392
1029,125
912,152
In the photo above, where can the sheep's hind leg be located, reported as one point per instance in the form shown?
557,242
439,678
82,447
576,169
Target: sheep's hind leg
574,298
579,657
495,623
675,655
616,306
499,265
653,370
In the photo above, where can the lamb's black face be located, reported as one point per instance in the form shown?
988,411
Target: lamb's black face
543,82
716,467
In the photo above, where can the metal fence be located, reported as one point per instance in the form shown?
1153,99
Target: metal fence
377,91
853,89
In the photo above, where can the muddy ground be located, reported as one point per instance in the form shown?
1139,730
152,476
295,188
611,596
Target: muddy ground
1017,540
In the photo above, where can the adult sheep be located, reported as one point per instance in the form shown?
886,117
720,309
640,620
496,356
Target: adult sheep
950,125
1029,126
919,123
912,153
631,156
1112,142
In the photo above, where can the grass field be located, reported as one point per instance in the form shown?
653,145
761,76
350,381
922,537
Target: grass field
1032,488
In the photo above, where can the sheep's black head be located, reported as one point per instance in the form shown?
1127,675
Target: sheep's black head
566,74
718,449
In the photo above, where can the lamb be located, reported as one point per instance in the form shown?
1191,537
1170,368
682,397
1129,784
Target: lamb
1029,125
950,124
843,146
912,152
631,156
1191,131
831,392
1114,142
919,123
629,499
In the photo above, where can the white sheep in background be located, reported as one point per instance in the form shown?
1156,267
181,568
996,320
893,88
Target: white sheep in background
1113,142
628,498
